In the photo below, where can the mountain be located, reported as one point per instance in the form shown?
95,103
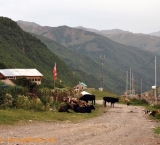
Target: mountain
19,49
142,41
118,59
155,34
75,62
102,32
147,42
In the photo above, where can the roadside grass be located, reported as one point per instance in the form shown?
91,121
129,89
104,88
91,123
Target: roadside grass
156,118
157,130
138,102
147,106
16,116
100,94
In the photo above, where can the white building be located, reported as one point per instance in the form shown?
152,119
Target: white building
81,86
12,74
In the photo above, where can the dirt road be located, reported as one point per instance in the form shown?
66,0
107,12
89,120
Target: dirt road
120,125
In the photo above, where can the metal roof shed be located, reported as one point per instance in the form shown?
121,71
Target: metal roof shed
33,74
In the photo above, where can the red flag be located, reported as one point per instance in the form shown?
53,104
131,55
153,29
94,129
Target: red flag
55,72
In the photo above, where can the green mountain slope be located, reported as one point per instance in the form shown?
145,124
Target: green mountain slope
80,64
19,49
118,60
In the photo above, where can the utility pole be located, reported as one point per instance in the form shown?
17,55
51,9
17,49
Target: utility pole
127,83
133,89
155,91
101,80
141,86
130,81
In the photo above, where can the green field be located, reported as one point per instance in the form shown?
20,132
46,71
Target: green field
15,116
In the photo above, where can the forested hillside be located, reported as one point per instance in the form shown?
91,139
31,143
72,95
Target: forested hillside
79,64
118,58
19,49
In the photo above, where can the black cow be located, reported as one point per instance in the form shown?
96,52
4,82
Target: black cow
84,109
65,108
88,97
111,100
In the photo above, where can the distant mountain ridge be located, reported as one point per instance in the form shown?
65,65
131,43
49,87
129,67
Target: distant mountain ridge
155,34
29,23
147,42
113,31
118,58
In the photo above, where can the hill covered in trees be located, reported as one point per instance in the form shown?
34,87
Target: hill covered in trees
119,58
19,49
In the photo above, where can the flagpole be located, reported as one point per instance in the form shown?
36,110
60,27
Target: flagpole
54,74
54,82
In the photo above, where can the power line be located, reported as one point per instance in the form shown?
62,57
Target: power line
145,65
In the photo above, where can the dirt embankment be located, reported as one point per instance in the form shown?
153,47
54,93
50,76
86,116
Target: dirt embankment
8,82
120,125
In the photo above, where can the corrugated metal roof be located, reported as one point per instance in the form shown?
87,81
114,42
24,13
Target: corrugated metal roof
20,72
85,93
83,84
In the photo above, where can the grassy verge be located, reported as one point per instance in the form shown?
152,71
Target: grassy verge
157,130
100,94
15,116
145,104
148,107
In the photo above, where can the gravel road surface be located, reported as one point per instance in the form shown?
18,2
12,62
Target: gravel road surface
121,125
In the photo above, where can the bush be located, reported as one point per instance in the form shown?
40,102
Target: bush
157,106
3,92
158,116
23,102
135,101
8,101
37,104
157,130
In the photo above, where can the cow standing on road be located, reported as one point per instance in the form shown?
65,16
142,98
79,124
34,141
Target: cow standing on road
88,97
110,100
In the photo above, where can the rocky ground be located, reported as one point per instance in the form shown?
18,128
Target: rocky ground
120,125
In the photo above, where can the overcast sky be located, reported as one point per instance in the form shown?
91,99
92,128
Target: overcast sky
137,16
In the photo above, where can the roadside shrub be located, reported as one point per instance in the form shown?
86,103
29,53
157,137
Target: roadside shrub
157,130
2,95
157,106
8,101
47,107
37,104
55,105
16,90
45,99
23,102
158,116
135,101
